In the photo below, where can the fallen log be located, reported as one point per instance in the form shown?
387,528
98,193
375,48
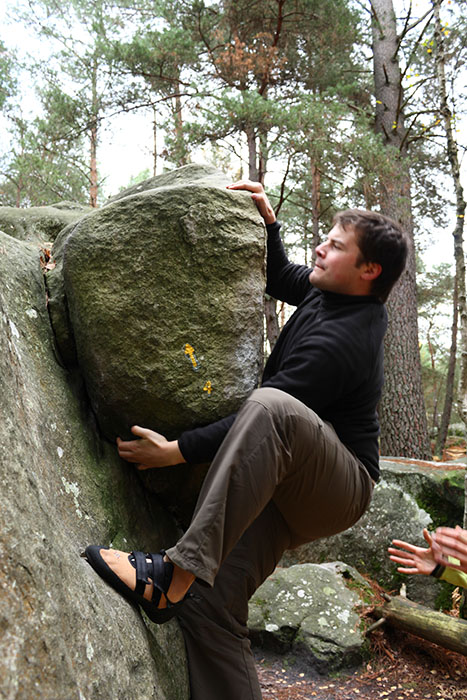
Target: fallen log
449,632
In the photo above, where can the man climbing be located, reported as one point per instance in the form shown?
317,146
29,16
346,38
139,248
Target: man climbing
298,462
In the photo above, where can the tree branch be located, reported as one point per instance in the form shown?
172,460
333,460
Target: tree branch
282,189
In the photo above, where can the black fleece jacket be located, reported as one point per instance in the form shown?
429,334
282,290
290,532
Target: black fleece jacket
329,356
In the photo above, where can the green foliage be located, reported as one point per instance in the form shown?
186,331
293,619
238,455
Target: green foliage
8,81
43,167
135,179
435,310
279,76
434,288
77,87
444,598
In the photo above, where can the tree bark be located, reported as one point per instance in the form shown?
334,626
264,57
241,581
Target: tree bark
272,321
263,157
315,207
458,233
181,152
93,188
449,632
253,170
154,141
449,391
434,423
402,408
256,174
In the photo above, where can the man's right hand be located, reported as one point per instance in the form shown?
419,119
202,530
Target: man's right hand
151,450
259,197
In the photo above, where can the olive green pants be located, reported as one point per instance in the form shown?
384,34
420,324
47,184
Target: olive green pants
280,478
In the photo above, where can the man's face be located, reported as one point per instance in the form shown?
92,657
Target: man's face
336,267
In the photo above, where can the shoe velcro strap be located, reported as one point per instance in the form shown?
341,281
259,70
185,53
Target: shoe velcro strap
141,572
162,573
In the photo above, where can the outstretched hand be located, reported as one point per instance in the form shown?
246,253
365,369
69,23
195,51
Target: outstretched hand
259,197
448,544
414,560
151,450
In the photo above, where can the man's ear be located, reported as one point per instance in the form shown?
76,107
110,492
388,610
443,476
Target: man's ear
370,271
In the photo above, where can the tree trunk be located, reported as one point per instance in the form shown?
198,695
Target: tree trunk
154,141
253,170
181,152
449,632
402,408
434,422
263,158
449,392
93,185
272,322
458,233
315,207
452,153
254,174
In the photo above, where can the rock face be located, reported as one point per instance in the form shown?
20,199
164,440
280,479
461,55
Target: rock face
179,337
39,224
64,633
410,495
308,611
163,291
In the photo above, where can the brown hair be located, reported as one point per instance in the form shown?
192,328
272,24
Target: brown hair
382,241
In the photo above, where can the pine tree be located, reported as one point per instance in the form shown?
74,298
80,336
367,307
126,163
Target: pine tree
402,409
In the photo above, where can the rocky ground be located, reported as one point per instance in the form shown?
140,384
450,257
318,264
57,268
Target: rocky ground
403,667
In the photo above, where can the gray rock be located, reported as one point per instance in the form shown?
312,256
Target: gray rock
410,495
192,173
64,633
41,224
308,611
164,294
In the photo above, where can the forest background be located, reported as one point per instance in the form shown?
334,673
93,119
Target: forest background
330,103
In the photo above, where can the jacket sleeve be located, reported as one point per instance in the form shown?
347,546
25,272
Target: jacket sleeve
285,280
201,444
457,578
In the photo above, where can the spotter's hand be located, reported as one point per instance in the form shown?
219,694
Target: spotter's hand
450,547
151,450
413,559
259,197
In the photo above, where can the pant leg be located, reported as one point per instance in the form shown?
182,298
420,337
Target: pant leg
276,449
214,624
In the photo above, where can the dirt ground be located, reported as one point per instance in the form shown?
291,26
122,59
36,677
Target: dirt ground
403,667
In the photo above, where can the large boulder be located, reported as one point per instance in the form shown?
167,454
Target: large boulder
163,292
310,611
40,224
63,632
410,495
187,174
